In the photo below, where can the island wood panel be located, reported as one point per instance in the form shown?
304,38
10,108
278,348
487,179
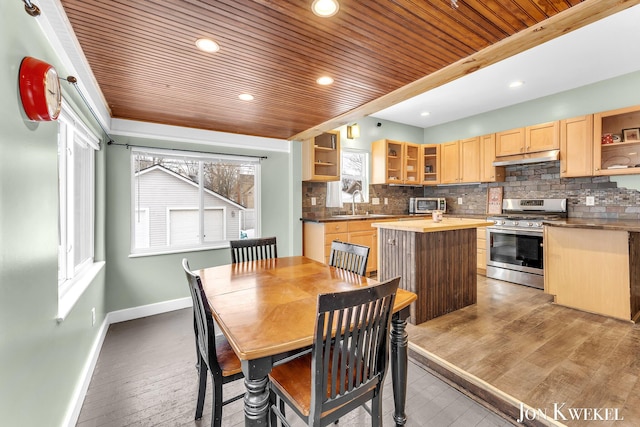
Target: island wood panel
440,267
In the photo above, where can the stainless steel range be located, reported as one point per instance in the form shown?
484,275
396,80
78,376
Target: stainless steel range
514,243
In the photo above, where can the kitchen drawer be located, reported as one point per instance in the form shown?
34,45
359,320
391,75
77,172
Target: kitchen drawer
360,226
482,233
336,227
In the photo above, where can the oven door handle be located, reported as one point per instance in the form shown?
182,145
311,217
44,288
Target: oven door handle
516,231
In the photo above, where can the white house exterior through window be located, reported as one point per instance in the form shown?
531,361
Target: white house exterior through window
184,201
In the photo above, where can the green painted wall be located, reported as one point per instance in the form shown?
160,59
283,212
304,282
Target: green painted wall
606,95
137,281
602,96
40,360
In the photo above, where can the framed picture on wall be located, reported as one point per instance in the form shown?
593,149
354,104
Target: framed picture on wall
494,200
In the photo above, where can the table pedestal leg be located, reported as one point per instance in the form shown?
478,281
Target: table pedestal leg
256,399
399,360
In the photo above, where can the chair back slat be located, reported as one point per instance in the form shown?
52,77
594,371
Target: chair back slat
349,256
253,249
205,334
350,351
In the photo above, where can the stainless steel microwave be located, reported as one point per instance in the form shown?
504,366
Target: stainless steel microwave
426,205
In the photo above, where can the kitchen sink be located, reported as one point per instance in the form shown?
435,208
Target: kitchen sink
360,216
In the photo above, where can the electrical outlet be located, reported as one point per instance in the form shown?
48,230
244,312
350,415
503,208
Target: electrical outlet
93,316
459,200
591,201
386,201
313,201
375,201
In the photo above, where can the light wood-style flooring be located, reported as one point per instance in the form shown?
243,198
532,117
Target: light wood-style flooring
146,376
515,346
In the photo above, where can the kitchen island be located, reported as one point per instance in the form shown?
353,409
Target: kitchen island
436,261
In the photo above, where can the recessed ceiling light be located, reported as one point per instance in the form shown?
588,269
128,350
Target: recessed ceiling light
325,8
246,97
517,83
324,80
425,113
207,45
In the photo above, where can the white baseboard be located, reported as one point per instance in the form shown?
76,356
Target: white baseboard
73,412
148,310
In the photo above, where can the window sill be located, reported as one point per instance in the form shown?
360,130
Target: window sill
224,245
75,289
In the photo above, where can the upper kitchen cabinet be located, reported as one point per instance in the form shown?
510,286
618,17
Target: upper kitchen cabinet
430,164
460,161
531,139
576,146
450,162
321,157
616,142
488,172
395,162
412,163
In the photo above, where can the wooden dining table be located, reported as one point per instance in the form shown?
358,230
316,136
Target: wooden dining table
267,310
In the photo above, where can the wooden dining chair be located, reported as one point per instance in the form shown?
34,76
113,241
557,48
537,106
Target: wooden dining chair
253,249
214,352
347,363
349,256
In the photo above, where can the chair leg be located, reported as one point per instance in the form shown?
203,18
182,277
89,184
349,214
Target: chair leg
202,386
273,419
216,414
376,411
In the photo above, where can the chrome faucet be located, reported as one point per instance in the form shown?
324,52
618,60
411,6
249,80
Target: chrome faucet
353,201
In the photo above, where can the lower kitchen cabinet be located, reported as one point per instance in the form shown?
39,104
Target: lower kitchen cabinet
317,238
590,269
482,250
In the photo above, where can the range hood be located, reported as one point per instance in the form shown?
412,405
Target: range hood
524,159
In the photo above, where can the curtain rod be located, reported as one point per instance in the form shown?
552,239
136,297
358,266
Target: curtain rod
74,82
127,146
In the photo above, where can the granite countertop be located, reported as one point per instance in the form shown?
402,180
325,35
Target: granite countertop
428,225
384,217
363,217
597,224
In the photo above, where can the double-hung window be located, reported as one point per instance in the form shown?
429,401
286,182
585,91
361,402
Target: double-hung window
76,188
354,175
183,201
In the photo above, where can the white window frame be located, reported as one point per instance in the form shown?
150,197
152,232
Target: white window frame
365,175
73,279
205,157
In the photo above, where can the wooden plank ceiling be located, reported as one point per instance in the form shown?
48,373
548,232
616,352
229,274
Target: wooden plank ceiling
145,61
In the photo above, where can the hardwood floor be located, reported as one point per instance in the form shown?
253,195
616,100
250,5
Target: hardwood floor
516,346
146,376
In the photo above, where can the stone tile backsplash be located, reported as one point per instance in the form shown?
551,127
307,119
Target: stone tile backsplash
397,196
540,180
